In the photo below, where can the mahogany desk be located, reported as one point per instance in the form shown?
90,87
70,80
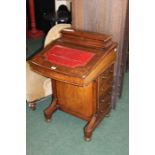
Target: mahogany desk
80,65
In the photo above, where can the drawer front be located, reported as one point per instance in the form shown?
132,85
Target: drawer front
105,82
104,102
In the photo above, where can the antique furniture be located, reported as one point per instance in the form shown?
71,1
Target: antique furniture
80,65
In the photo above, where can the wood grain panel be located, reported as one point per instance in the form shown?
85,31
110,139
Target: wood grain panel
74,98
108,17
78,10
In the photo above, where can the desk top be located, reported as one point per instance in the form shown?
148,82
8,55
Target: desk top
71,62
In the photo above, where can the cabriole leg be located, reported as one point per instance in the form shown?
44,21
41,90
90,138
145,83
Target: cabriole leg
50,110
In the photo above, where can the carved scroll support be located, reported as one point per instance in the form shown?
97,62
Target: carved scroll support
48,112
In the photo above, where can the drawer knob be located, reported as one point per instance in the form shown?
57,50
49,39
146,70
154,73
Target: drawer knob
111,82
102,100
104,77
110,93
111,71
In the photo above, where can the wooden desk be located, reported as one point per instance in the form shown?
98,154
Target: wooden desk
83,91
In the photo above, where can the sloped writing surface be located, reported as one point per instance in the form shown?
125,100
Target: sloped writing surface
68,57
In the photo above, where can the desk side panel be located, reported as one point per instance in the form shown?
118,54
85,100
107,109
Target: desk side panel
78,101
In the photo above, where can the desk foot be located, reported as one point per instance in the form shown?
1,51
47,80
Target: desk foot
48,120
88,129
50,110
32,105
93,123
87,139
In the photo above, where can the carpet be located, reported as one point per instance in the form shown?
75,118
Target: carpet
64,134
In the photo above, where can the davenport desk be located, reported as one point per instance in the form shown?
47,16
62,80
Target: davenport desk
80,65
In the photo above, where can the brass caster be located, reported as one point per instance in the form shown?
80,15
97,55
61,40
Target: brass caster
87,139
48,120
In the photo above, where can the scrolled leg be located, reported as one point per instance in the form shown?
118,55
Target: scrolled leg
50,110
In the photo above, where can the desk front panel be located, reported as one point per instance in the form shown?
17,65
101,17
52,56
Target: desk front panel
76,100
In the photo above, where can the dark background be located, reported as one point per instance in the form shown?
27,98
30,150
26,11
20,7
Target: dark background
42,9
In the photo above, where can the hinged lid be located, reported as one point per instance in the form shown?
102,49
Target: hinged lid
68,57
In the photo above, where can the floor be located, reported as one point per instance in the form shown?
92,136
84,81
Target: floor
64,134
33,46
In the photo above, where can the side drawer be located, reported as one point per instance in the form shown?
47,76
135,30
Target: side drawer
105,86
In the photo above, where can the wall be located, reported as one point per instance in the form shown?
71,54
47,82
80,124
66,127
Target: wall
104,16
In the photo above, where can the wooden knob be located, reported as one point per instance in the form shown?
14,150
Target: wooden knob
102,100
110,93
104,77
111,82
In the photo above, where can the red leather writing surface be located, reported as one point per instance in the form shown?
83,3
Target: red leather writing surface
68,57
